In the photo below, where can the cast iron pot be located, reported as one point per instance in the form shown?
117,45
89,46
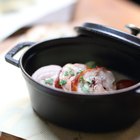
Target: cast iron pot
108,47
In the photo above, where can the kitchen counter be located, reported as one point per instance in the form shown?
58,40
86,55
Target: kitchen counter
16,114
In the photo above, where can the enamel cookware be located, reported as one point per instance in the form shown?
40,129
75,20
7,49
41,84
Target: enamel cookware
109,47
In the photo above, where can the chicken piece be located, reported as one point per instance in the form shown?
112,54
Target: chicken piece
68,73
47,75
93,81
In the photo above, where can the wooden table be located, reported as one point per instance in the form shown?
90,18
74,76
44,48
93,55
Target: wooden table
114,13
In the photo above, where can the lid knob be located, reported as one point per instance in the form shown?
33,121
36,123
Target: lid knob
134,29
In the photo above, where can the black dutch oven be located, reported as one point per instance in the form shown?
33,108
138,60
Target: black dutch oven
109,47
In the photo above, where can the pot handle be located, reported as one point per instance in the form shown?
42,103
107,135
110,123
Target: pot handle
134,29
9,56
137,90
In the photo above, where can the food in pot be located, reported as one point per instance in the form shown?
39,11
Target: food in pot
69,73
124,83
81,78
96,80
47,75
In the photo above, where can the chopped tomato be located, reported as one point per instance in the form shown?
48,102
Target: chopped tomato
57,85
125,83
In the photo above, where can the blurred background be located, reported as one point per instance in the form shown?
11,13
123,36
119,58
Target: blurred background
35,20
16,14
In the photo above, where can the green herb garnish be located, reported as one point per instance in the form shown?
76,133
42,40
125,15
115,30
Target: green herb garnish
85,88
91,64
62,82
79,71
66,73
71,72
81,79
49,81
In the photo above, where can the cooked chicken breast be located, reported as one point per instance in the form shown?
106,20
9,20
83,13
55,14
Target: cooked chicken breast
68,73
97,80
47,75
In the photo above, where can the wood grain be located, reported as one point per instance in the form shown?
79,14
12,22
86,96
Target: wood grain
114,13
5,136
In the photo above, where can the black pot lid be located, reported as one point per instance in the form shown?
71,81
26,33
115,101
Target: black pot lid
91,29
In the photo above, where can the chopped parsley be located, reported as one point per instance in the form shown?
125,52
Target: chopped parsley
71,72
85,88
79,71
49,81
66,73
81,79
62,82
91,64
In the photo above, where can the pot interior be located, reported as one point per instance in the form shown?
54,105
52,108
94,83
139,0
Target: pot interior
112,54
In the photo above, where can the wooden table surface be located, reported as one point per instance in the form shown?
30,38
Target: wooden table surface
112,13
